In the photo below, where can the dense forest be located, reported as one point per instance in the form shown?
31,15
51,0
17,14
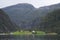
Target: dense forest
5,23
27,17
51,22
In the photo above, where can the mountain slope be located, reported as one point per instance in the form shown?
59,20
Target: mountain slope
43,11
19,13
51,22
26,16
5,24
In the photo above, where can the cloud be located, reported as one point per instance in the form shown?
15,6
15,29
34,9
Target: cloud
36,3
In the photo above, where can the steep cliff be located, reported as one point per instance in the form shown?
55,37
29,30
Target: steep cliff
5,24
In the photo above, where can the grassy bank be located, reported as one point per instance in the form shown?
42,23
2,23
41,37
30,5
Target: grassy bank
22,33
28,33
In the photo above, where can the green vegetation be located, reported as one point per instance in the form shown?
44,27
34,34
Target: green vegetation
40,33
51,22
22,33
6,25
30,33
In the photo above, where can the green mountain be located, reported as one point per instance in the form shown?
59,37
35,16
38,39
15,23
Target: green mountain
26,16
5,23
51,22
19,14
41,12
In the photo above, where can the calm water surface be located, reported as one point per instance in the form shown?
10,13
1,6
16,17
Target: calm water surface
28,37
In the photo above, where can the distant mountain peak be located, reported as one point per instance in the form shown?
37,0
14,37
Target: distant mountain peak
19,12
21,5
58,4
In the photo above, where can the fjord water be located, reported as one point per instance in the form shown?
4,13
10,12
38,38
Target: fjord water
28,37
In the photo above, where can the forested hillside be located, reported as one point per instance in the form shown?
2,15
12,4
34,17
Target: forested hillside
51,22
5,23
26,16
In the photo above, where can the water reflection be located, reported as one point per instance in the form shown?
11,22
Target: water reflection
28,37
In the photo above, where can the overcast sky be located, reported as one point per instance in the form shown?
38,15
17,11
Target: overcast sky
36,3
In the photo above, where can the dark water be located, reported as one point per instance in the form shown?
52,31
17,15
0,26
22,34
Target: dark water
28,37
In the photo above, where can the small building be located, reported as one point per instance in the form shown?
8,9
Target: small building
33,32
11,33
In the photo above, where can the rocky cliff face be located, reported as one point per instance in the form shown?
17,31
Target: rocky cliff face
20,14
27,16
5,24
